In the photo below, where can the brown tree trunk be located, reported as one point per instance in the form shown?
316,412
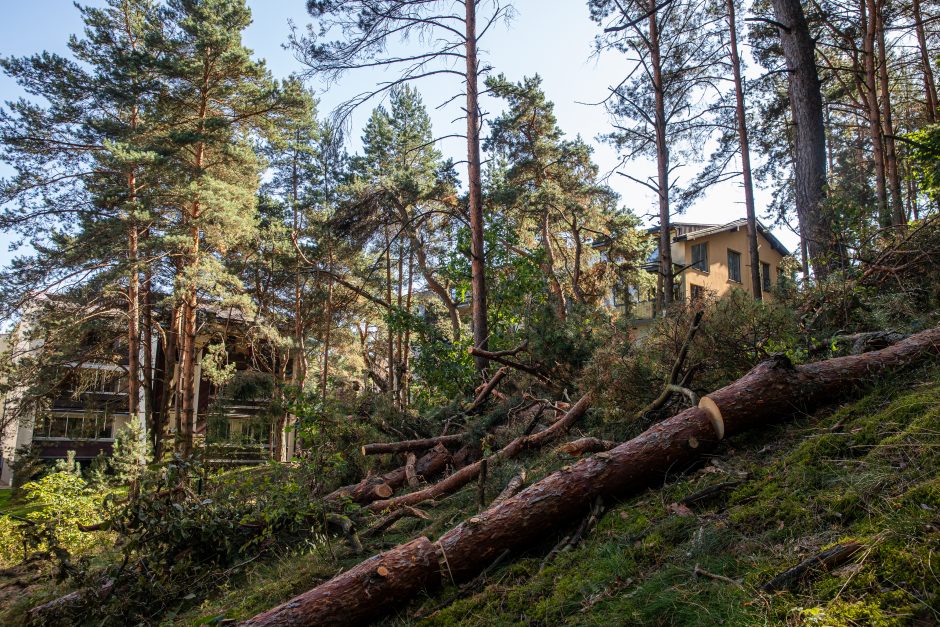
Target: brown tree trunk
133,317
474,175
805,96
398,573
382,486
665,284
740,113
891,155
405,446
772,391
930,86
548,267
867,12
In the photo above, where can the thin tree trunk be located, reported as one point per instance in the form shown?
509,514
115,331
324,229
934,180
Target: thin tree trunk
891,155
133,315
740,112
867,12
930,86
561,307
667,293
406,350
474,175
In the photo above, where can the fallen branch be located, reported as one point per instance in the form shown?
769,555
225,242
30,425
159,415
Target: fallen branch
407,446
512,488
468,473
814,566
708,493
700,572
580,447
499,358
773,390
672,384
487,389
387,521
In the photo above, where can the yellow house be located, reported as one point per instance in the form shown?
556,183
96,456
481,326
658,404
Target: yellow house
713,259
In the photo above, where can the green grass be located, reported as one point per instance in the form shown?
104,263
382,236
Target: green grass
870,472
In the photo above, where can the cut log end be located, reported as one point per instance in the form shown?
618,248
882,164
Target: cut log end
383,490
381,571
714,415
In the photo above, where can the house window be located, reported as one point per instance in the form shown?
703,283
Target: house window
696,292
700,256
765,277
88,426
734,266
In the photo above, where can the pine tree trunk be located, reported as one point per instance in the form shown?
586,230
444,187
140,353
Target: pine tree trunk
891,155
665,284
930,86
475,200
803,87
867,12
740,113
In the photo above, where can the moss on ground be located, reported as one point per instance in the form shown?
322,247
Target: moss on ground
866,472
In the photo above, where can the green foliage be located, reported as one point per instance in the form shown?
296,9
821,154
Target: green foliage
57,503
131,453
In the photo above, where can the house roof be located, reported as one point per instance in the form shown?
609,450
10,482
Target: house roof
734,226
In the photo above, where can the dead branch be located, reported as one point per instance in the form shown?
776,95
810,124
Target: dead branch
814,566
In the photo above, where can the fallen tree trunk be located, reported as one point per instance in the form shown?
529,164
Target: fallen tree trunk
468,473
408,446
487,389
399,573
770,392
383,486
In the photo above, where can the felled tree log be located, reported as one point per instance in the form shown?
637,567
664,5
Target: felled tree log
770,392
512,488
468,473
359,595
411,445
383,486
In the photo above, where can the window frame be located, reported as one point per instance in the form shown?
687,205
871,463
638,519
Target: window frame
765,270
731,278
704,261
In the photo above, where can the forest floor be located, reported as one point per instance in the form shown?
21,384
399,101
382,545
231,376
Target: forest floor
868,471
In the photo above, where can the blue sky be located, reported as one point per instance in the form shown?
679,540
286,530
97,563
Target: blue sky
551,38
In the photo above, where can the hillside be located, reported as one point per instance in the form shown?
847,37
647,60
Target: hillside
866,471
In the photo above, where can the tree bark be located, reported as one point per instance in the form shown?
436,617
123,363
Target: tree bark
803,87
893,173
412,445
740,114
930,86
359,595
475,200
665,284
772,391
867,12
377,487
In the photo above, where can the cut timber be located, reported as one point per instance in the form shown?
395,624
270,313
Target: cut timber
468,473
813,566
672,446
411,445
577,448
411,475
373,488
392,518
364,592
776,389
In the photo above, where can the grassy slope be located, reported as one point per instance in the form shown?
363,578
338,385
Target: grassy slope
869,471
